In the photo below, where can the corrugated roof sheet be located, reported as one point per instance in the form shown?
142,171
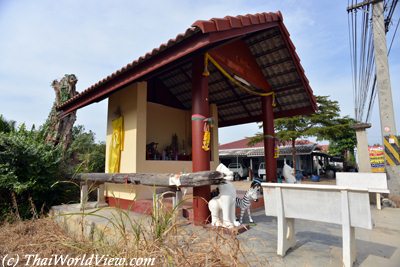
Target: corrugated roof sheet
244,144
259,151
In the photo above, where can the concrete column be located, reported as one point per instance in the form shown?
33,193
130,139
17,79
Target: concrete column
364,164
269,138
348,233
101,201
388,126
200,158
84,196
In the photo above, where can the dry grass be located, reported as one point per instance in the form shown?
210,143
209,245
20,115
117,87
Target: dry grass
395,199
42,236
163,237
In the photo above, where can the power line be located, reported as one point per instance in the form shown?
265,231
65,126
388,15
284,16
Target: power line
362,55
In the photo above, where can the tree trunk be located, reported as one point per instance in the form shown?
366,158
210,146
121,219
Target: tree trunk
59,130
15,205
294,156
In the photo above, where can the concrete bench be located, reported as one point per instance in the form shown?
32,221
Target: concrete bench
167,192
84,199
374,182
324,203
160,193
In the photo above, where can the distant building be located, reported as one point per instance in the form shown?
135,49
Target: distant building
308,155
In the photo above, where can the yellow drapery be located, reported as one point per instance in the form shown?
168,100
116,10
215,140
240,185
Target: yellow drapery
117,145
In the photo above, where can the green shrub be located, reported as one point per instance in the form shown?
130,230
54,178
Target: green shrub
28,168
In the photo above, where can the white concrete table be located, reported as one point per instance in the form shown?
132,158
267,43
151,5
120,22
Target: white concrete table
348,207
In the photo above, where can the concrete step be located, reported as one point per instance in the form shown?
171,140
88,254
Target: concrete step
145,206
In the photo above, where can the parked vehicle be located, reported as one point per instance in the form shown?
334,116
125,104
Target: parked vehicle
261,171
239,171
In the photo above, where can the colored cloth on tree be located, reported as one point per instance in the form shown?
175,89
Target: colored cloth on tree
117,145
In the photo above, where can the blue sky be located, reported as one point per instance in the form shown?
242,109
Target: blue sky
43,40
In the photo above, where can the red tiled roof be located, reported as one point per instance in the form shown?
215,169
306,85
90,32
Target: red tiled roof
243,143
275,52
134,63
205,26
229,22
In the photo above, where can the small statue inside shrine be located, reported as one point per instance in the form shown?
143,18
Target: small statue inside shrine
152,152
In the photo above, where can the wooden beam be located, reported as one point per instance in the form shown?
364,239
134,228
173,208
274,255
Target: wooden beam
154,179
276,62
272,50
231,100
267,37
293,70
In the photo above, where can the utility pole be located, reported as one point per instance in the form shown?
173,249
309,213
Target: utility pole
388,126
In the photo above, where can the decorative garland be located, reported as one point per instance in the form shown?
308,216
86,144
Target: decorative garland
206,130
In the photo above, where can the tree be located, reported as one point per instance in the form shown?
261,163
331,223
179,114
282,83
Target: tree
292,128
342,138
28,168
84,154
6,125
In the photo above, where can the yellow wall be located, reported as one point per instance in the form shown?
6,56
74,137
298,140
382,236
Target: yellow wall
163,122
132,103
146,122
125,101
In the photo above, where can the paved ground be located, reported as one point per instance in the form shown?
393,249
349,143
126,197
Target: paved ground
320,244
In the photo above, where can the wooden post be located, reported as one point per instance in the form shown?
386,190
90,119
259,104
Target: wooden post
200,158
269,138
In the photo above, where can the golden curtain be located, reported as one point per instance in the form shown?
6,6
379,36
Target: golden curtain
117,145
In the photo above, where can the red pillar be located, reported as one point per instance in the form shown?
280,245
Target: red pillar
269,141
200,158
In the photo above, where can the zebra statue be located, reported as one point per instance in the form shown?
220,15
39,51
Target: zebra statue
245,202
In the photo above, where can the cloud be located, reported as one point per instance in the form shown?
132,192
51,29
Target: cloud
92,39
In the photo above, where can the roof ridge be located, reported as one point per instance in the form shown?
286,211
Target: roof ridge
239,21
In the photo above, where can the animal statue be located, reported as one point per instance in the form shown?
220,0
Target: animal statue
245,202
287,173
58,130
224,203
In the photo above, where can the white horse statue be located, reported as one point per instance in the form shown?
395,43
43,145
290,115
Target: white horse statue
287,172
224,203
